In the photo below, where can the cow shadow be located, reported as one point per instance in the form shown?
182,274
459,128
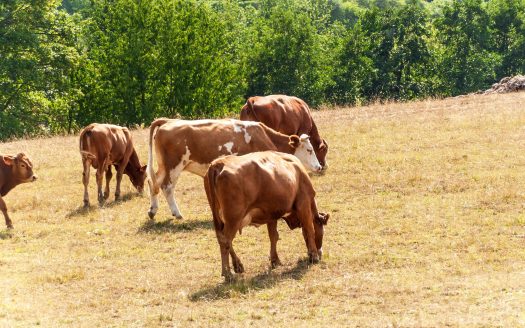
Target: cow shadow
173,226
82,210
262,281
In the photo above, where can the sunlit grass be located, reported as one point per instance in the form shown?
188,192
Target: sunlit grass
427,229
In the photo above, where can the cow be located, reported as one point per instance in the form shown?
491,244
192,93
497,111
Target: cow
288,115
14,170
260,188
104,145
182,145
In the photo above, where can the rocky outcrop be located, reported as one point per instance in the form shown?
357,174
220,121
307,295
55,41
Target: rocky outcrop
507,84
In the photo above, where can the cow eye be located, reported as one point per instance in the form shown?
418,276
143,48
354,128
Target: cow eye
23,165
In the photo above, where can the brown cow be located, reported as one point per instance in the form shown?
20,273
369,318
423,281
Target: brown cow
14,170
288,115
182,145
103,145
260,188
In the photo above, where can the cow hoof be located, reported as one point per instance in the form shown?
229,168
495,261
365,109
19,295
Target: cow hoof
86,204
179,217
313,258
276,263
228,277
238,267
151,215
10,226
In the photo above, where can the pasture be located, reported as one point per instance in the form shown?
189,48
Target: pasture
427,228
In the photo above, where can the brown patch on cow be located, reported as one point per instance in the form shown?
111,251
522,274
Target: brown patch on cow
267,185
14,170
205,141
288,115
106,145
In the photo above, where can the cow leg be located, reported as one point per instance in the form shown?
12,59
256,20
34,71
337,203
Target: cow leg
99,178
236,261
274,237
85,180
225,238
169,186
3,208
167,190
154,199
109,174
305,215
120,173
102,168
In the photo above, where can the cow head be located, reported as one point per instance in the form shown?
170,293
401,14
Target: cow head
137,177
304,150
21,166
321,152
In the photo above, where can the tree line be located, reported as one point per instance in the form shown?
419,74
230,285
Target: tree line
67,63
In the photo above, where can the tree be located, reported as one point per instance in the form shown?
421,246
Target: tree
399,50
466,63
287,56
508,25
38,57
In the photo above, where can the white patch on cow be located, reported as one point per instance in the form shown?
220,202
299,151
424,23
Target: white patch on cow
228,146
249,123
305,153
237,126
174,176
247,137
220,147
241,126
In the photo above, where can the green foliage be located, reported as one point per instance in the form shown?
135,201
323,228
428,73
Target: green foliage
288,57
466,63
37,57
65,64
508,34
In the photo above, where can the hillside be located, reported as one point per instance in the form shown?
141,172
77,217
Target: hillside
427,229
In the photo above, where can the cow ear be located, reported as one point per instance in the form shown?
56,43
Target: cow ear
323,144
294,141
9,160
322,218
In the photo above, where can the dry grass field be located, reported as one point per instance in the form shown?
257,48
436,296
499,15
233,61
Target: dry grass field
427,230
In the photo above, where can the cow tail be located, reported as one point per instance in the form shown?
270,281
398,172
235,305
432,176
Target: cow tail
248,110
209,184
85,137
150,171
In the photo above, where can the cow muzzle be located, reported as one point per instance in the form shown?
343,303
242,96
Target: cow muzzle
33,178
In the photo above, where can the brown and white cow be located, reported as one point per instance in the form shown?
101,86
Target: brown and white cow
14,170
260,188
182,145
288,115
103,145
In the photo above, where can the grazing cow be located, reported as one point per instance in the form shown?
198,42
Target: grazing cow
288,115
192,145
260,188
14,170
103,145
